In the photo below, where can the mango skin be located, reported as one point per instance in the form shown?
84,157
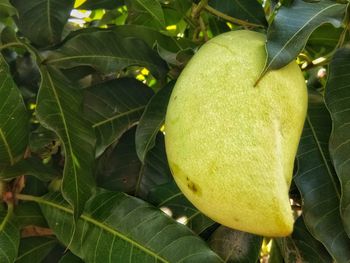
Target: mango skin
230,145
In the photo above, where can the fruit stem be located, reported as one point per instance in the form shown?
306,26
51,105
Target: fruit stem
230,18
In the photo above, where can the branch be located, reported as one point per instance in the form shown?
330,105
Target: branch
230,18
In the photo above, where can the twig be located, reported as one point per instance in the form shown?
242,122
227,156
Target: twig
230,18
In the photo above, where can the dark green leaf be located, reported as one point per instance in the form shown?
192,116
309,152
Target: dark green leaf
119,168
42,21
31,166
34,186
179,58
155,170
113,107
301,246
70,258
289,250
55,255
14,121
169,198
107,51
310,249
43,141
29,213
235,246
317,182
152,120
34,249
338,102
59,108
146,12
9,236
293,25
153,37
118,228
323,40
6,9
101,4
247,10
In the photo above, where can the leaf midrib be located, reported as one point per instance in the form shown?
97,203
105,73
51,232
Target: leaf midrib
100,225
110,119
322,155
297,32
150,11
7,146
76,205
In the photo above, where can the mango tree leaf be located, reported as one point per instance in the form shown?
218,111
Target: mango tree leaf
106,51
293,25
116,227
31,166
59,108
168,197
113,107
29,213
152,37
14,119
235,246
337,97
310,249
155,170
119,168
34,249
323,40
42,21
152,120
301,246
69,257
317,182
42,141
247,10
101,4
9,236
6,9
146,12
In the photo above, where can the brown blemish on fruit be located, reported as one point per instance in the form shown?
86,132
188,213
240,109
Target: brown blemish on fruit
193,186
181,176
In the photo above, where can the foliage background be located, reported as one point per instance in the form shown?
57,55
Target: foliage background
84,87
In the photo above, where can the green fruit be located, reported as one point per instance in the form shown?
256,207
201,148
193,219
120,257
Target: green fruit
230,145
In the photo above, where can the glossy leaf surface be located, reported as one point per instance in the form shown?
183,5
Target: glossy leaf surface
119,228
59,108
34,249
31,166
317,182
9,237
113,107
338,102
107,52
169,198
48,17
293,25
235,246
151,121
14,122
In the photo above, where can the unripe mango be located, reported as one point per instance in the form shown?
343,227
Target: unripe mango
231,145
